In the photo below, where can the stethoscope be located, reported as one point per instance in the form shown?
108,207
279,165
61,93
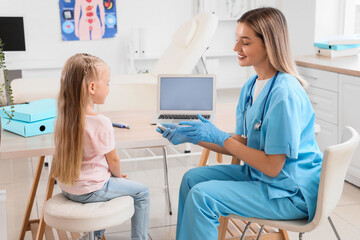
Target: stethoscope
248,103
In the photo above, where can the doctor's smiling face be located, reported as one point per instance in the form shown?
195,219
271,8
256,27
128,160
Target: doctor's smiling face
250,47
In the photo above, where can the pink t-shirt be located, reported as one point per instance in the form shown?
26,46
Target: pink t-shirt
98,140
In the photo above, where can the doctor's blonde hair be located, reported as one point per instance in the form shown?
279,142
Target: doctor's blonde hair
78,72
270,25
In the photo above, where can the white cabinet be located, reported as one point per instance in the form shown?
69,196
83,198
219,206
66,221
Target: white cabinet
323,95
334,98
349,115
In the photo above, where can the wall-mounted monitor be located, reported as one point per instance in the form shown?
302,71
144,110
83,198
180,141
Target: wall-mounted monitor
12,33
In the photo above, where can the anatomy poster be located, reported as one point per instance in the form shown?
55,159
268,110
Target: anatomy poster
87,19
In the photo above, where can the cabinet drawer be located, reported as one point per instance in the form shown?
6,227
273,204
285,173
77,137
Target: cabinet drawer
321,79
327,136
325,104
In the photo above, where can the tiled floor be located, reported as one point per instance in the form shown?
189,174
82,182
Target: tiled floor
16,176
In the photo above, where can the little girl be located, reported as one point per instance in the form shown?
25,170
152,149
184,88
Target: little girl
86,163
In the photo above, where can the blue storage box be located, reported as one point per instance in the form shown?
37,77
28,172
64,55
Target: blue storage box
31,119
33,111
28,129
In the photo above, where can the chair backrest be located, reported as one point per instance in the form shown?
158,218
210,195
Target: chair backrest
334,167
188,45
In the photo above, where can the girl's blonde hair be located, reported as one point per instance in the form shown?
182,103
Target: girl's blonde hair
78,72
270,25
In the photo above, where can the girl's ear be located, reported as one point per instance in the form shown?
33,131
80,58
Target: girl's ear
92,88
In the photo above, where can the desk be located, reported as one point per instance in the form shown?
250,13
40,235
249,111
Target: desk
141,134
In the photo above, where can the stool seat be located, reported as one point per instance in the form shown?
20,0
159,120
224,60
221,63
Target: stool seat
64,214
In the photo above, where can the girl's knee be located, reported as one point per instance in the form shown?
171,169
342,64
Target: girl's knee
144,194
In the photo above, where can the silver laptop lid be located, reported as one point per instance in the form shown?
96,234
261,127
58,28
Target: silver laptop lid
186,94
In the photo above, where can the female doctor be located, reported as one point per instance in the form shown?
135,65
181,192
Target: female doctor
274,137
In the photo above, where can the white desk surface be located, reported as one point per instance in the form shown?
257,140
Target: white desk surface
141,134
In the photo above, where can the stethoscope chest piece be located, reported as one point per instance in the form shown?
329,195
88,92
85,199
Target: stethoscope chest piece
257,126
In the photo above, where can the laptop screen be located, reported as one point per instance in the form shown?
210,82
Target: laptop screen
186,93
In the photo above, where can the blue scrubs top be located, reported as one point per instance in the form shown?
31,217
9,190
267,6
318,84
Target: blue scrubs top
288,128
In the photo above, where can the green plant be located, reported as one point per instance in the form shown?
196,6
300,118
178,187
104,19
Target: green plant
5,88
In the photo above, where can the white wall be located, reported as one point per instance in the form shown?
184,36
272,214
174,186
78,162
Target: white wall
45,49
328,19
300,16
309,20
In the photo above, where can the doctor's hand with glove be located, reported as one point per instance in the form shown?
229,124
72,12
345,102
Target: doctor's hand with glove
172,134
204,131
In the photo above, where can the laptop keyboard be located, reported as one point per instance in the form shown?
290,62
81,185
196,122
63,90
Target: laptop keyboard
181,116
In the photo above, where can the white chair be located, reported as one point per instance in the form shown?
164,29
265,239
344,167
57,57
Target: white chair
63,214
334,167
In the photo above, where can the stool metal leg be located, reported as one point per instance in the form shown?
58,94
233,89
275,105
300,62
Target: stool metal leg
167,192
333,228
301,235
245,229
260,232
91,236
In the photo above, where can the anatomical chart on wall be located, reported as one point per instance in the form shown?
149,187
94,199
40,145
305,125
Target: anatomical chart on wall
87,19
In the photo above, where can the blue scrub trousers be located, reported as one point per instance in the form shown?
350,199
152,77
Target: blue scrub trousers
211,191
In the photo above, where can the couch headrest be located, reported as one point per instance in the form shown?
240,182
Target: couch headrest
185,33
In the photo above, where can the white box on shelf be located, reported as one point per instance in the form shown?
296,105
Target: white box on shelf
337,53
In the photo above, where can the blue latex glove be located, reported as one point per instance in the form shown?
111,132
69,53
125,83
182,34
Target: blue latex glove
203,131
173,135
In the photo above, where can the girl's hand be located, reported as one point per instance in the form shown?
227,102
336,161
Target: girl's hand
124,176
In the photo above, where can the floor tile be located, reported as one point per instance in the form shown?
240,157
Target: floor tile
118,235
324,231
350,195
163,233
350,214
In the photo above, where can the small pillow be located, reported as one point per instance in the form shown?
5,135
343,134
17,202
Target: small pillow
185,33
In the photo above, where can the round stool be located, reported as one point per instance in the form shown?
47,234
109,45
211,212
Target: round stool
64,214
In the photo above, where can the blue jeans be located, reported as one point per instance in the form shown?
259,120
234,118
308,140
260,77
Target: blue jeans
118,187
206,193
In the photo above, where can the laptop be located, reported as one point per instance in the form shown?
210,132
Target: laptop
182,97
